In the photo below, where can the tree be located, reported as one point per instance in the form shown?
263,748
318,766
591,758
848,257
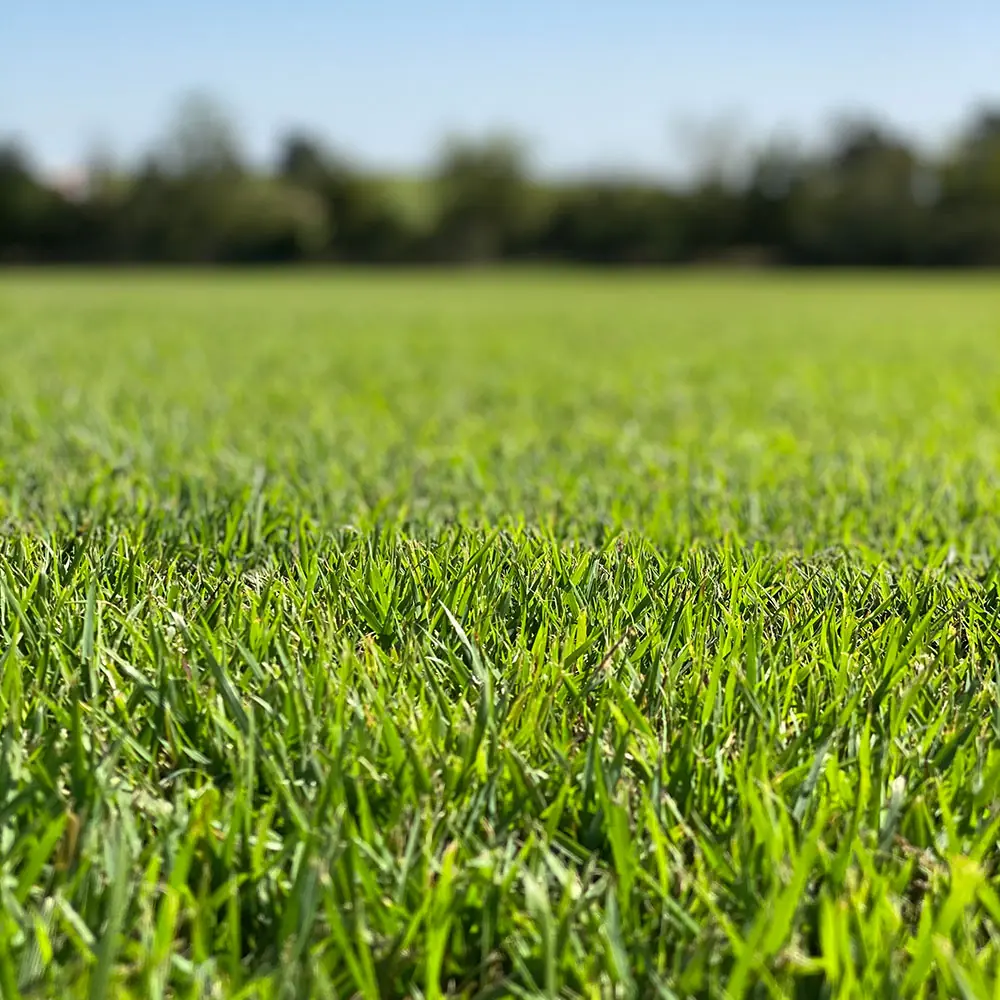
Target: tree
362,225
303,160
768,198
862,204
969,200
484,198
201,140
612,222
33,218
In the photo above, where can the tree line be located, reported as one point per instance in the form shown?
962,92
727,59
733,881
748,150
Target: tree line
868,198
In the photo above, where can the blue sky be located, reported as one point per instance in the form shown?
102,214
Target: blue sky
588,84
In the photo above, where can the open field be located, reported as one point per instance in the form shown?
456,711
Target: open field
498,635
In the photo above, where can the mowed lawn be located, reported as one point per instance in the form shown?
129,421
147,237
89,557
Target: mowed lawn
534,634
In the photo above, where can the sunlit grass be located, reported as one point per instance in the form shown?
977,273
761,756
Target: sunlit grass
530,634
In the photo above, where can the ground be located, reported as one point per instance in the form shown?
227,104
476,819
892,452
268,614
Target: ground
499,634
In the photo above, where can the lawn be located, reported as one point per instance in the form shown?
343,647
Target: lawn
535,634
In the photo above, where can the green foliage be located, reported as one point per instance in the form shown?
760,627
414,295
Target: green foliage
525,636
870,198
32,218
483,195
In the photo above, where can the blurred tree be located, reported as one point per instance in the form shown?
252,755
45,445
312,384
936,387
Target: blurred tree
303,160
267,220
870,198
984,130
969,198
21,201
614,222
483,196
768,196
201,140
360,223
34,218
860,204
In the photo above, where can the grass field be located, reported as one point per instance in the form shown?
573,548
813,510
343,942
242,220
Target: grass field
535,635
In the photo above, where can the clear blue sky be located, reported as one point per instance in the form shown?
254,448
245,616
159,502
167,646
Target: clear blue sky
589,83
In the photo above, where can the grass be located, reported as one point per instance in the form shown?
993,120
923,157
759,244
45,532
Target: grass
533,635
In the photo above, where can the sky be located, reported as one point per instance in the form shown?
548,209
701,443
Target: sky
617,84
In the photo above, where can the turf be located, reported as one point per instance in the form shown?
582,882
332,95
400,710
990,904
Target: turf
526,634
